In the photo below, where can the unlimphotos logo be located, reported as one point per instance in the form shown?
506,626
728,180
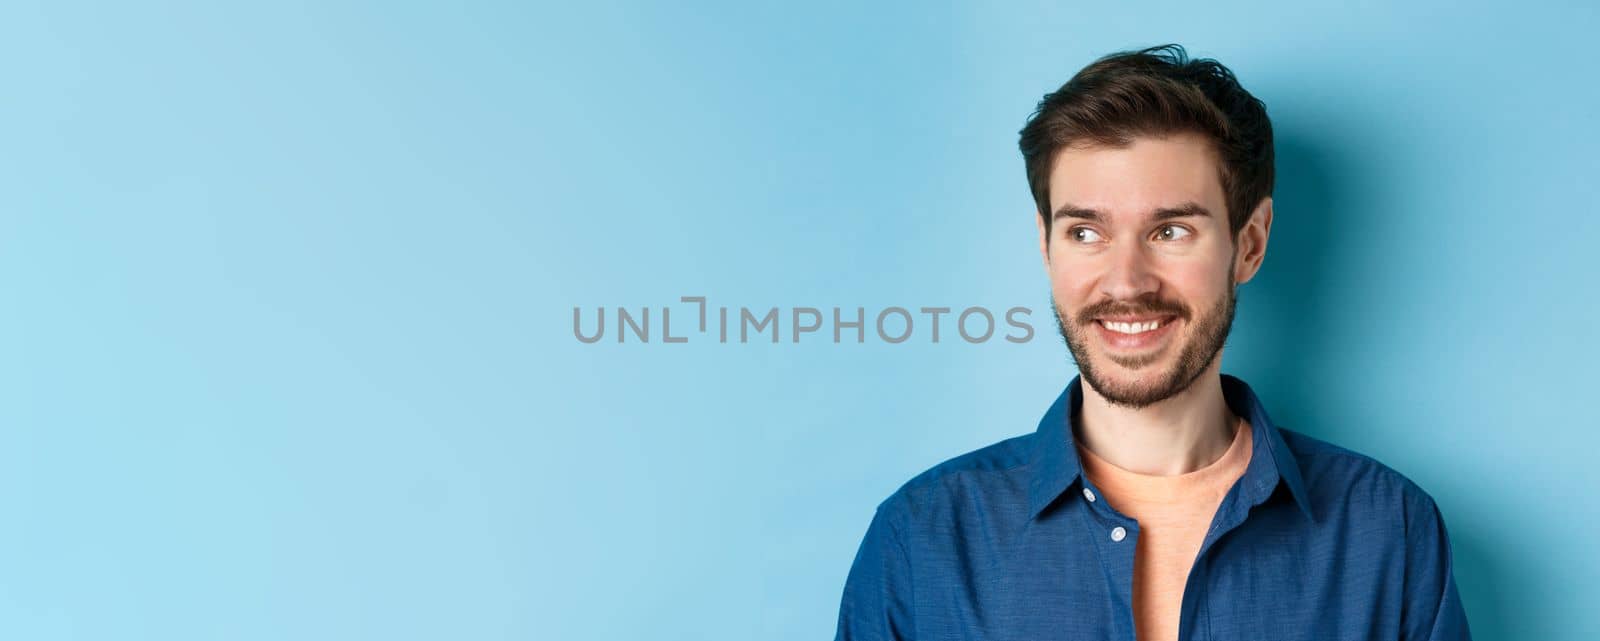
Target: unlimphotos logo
975,324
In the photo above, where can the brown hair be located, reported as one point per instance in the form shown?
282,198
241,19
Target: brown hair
1155,91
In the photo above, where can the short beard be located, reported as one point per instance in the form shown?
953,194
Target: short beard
1209,333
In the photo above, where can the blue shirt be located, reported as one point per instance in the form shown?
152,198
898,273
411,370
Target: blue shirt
1313,542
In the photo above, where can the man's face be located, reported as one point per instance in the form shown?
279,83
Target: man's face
1140,239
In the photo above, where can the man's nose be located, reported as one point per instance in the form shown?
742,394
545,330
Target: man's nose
1130,273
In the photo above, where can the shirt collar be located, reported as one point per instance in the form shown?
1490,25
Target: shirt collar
1055,465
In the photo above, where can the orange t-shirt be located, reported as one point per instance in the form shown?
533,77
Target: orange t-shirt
1173,513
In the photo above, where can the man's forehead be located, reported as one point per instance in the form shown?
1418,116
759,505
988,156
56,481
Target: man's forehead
1146,175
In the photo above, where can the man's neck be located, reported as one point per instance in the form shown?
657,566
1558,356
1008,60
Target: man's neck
1178,435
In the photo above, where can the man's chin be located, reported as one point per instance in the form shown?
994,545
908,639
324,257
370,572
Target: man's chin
1135,363
1132,370
1134,388
1130,378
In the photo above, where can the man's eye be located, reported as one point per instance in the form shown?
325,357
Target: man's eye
1078,234
1181,232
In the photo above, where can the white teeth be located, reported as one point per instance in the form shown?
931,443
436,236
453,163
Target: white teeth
1131,328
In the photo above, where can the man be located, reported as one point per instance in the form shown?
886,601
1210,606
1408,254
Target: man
1156,499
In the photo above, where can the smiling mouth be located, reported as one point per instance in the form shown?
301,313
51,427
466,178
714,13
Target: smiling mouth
1131,334
1136,327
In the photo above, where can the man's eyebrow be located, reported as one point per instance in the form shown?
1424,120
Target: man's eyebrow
1181,210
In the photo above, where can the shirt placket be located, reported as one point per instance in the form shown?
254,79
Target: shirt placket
1116,538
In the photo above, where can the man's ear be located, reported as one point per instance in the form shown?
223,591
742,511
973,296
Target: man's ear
1253,242
1044,240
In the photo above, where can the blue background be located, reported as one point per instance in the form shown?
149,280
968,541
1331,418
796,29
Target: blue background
286,349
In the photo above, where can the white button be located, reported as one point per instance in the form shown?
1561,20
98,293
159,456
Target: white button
1088,494
1117,533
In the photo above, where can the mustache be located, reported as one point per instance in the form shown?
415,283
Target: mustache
1143,308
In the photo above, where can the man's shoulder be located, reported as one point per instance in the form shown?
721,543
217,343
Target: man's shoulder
996,468
1339,474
